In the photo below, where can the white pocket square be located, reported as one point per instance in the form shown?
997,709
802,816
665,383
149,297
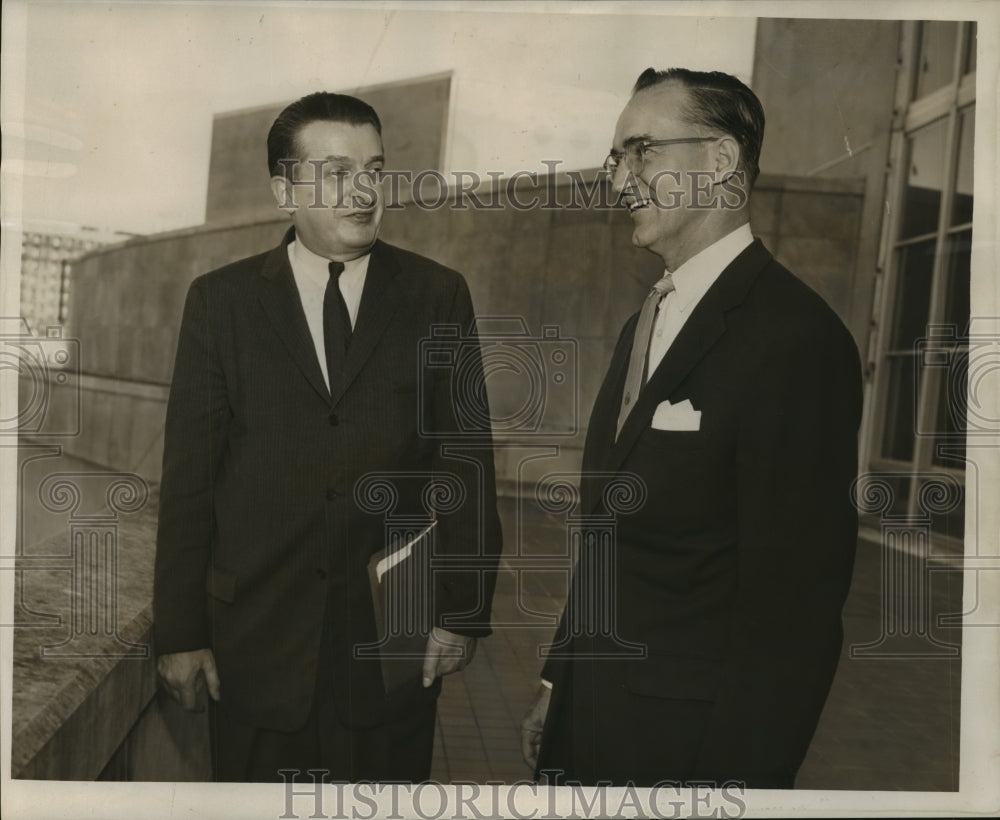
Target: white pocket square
681,416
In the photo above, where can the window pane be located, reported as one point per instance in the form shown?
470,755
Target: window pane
970,50
956,306
915,266
951,412
897,438
936,63
925,178
900,494
961,211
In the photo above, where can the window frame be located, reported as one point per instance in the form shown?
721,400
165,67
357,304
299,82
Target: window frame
947,103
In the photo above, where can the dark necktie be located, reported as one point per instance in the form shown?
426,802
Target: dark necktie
336,324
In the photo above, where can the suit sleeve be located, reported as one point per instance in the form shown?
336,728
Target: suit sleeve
797,533
194,443
471,534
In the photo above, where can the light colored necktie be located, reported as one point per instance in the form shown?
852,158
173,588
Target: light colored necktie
640,346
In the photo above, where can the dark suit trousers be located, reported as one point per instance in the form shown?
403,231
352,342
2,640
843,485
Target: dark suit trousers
586,739
398,751
643,754
593,751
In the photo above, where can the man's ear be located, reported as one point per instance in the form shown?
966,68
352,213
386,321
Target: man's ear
281,187
727,157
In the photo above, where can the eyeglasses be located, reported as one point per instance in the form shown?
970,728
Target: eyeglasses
635,153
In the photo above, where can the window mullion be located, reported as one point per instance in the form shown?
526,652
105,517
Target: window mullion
873,430
930,381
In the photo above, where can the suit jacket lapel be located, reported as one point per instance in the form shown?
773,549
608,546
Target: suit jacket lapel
379,302
701,331
603,420
280,299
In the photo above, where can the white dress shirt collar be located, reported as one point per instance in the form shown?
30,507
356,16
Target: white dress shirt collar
317,268
691,281
696,276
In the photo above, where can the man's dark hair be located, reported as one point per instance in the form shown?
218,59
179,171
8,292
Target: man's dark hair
317,107
721,102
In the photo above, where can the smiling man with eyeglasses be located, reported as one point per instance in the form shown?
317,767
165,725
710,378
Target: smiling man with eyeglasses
732,400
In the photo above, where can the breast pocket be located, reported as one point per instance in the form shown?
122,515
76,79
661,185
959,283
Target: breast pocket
221,585
675,441
686,475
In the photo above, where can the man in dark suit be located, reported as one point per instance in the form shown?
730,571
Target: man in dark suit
732,404
297,376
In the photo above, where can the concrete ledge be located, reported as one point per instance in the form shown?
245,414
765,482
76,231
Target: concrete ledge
83,666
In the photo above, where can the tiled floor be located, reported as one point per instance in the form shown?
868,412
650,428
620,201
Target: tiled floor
890,723
480,709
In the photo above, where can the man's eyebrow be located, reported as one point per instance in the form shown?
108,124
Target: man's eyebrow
631,141
637,138
349,160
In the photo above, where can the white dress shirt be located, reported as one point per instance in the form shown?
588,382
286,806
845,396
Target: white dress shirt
691,281
311,273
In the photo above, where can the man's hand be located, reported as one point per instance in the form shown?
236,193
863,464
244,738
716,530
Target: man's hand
185,675
532,724
446,653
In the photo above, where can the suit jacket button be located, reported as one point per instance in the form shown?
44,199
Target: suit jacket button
332,494
334,421
321,573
